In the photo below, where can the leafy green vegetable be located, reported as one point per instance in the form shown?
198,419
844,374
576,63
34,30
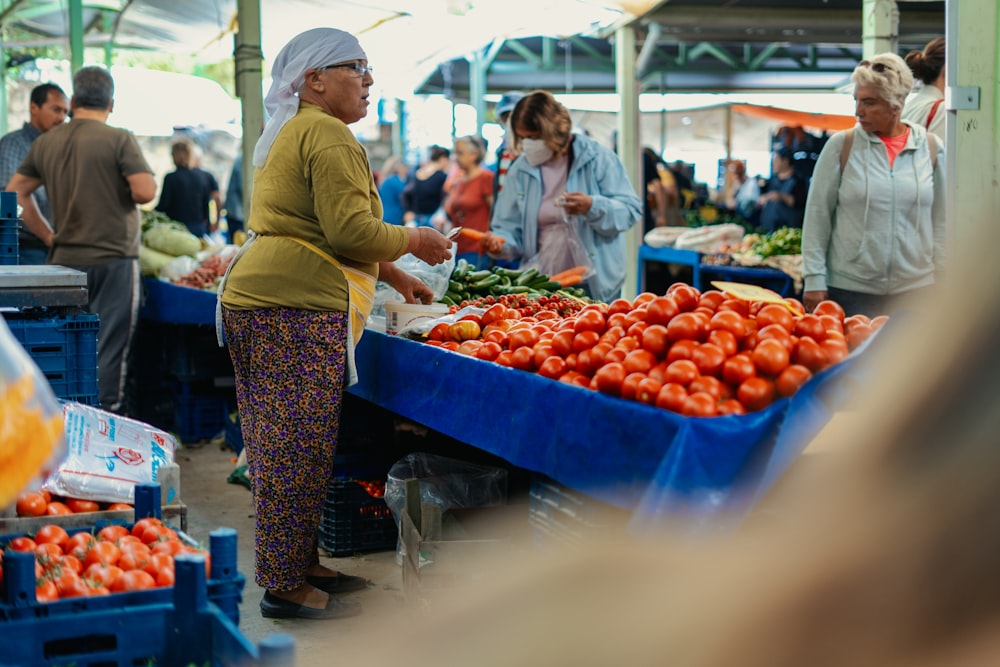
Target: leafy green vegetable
782,241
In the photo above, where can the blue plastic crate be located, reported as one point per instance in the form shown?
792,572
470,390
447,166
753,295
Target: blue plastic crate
181,627
199,416
8,205
234,430
9,247
64,349
224,586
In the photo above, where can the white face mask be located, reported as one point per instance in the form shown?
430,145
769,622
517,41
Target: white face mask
535,151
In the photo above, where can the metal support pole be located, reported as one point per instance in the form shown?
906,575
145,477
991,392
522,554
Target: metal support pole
628,142
76,34
248,60
880,27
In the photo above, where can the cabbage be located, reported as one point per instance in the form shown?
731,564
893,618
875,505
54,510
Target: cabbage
170,240
151,261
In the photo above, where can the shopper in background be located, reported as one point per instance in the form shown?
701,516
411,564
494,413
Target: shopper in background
94,175
295,303
186,193
661,197
505,151
211,184
563,190
925,108
470,197
783,202
742,192
234,200
47,109
392,181
882,182
424,193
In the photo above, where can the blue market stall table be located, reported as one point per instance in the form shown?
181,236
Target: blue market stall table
704,273
638,457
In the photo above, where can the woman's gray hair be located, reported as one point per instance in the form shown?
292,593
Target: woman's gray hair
888,74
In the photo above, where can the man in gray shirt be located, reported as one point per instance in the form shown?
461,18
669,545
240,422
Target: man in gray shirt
47,110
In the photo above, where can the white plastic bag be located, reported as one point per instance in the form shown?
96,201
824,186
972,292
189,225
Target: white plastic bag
710,238
435,277
31,429
108,455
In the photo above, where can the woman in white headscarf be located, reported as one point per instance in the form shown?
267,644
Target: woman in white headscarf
295,302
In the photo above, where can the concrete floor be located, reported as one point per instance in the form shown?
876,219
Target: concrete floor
213,503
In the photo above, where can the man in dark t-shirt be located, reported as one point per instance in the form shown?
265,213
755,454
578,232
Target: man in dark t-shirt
95,175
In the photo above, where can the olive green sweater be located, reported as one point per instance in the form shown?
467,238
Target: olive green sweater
316,185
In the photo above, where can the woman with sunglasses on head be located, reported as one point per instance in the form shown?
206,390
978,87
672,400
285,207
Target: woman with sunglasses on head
294,305
874,227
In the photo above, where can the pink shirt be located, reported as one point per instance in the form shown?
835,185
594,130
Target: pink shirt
893,145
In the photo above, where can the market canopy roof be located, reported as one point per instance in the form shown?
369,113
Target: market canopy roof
563,46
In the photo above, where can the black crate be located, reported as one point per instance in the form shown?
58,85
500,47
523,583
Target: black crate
354,521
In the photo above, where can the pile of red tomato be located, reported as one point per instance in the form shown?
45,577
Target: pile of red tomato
114,559
43,503
697,354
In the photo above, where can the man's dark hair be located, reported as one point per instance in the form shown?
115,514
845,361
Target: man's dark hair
93,88
40,94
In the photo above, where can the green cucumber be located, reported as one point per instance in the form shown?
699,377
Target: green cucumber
527,277
489,280
475,276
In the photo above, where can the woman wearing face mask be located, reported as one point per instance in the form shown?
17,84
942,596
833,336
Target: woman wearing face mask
561,188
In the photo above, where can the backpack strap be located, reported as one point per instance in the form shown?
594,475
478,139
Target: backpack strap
933,111
845,150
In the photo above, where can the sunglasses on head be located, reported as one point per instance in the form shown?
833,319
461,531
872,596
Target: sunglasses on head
876,67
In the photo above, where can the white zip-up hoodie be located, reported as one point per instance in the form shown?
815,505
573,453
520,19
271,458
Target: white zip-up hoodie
875,229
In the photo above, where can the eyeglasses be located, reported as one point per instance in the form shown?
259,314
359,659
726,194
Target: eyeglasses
362,70
876,67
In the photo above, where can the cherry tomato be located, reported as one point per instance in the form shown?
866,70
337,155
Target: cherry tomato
31,503
724,340
52,534
553,367
829,307
609,378
23,544
619,306
711,299
791,379
770,357
647,390
755,393
731,406
686,326
709,359
811,326
686,296
682,372
585,340
641,298
738,368
630,385
772,313
810,354
56,508
671,397
133,580
661,310
655,339
699,404
523,358
709,385
590,320
682,349
735,305
640,361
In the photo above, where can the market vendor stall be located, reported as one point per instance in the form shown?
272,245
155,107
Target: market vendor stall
631,455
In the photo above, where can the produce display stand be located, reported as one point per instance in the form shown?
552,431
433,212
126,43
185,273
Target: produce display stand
703,274
174,304
649,461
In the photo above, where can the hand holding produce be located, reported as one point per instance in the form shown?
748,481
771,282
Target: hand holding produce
491,244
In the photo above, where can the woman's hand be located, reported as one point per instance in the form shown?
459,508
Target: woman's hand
412,288
491,244
428,244
577,203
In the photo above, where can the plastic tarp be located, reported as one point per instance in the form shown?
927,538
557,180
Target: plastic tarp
631,455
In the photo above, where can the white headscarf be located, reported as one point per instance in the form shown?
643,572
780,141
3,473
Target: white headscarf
309,50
